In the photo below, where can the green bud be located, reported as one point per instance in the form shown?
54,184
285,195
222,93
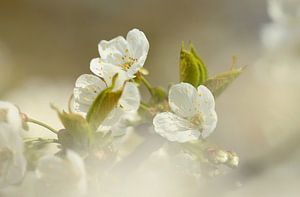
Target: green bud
192,68
77,133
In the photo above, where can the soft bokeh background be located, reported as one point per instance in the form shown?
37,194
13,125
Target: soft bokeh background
46,45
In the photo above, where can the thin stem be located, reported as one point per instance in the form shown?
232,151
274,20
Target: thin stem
42,125
144,106
41,140
148,85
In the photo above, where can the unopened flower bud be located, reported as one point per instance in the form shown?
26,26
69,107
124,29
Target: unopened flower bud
221,156
217,156
233,160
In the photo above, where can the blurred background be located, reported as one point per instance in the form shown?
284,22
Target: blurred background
46,45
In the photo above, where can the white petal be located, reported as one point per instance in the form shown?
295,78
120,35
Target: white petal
17,169
125,123
110,71
11,140
207,107
184,100
79,169
209,123
49,166
207,101
175,128
87,80
113,117
87,87
138,48
137,43
130,99
66,175
121,127
112,51
12,115
96,67
136,66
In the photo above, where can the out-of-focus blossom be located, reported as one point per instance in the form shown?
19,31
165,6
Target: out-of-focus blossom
281,37
88,87
123,56
284,11
12,160
284,31
61,176
193,114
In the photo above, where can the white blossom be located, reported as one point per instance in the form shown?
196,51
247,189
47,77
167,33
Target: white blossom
192,114
12,160
61,176
88,87
123,56
118,56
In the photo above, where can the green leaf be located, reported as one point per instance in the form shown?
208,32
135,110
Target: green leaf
220,82
103,105
77,129
75,123
192,68
201,65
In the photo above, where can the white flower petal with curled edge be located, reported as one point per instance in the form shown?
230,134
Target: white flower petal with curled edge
192,114
175,128
12,160
130,98
88,87
120,55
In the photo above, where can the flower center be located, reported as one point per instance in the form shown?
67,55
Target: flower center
197,120
3,115
128,60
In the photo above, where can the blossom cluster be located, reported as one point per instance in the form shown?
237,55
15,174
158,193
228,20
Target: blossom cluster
105,107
